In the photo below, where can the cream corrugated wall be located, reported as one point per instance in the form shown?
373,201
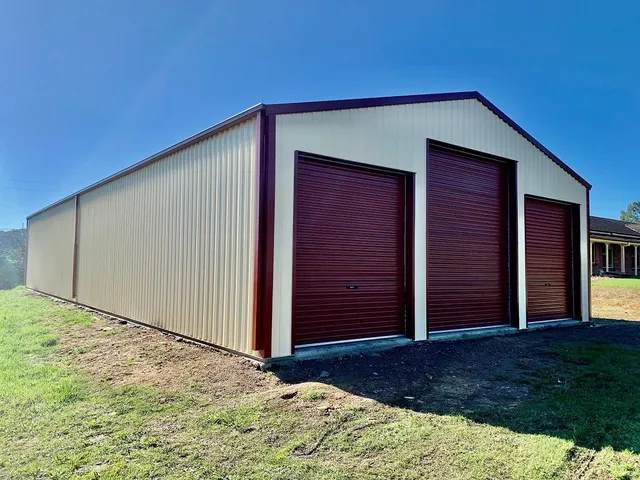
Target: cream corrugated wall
395,136
50,250
173,244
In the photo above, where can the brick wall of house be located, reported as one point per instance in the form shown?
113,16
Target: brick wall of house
597,260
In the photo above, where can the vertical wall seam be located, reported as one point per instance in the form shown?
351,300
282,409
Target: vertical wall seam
74,273
25,266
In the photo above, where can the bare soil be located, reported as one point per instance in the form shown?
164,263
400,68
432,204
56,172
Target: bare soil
618,303
443,377
127,354
458,376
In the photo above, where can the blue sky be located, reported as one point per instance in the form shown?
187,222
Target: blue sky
88,88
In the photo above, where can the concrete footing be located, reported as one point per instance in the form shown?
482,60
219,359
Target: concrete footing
351,348
472,333
371,346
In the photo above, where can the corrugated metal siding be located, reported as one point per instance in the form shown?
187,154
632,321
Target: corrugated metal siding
349,253
173,244
395,137
50,250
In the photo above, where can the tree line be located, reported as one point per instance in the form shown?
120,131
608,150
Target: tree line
12,252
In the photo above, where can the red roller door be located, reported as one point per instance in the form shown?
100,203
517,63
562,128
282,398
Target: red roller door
467,269
548,260
349,253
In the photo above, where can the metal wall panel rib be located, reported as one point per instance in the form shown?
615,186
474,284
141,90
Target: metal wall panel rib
173,244
50,258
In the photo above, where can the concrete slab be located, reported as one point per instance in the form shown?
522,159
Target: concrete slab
554,324
372,346
351,348
471,333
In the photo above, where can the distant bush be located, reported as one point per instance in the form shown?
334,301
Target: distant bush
12,251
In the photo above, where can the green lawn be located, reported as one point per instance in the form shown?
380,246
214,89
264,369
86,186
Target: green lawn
633,283
57,421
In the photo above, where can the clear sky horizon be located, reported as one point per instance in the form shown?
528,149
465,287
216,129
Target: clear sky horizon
89,88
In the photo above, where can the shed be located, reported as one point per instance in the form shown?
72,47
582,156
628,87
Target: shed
305,224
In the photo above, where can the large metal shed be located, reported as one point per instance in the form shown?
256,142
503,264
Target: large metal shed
296,225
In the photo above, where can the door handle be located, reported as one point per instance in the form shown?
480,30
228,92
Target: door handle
547,284
352,287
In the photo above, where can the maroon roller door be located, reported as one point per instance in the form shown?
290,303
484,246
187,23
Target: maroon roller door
548,260
467,270
348,254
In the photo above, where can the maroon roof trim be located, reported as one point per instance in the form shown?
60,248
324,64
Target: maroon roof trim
526,135
329,105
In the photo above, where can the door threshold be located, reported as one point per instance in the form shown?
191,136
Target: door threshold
470,329
563,322
476,332
349,347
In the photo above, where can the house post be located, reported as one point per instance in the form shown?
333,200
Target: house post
635,260
606,257
622,265
592,257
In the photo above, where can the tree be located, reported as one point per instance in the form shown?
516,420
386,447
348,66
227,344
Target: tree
632,214
12,248
9,274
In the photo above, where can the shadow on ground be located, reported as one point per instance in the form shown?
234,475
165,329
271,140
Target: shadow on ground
579,383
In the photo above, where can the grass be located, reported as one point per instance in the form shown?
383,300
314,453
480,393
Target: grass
592,399
57,422
314,395
633,283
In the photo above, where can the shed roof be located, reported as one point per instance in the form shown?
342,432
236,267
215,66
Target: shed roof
304,107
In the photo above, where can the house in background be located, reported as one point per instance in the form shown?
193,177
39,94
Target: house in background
614,247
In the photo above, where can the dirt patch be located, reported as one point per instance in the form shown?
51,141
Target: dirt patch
125,354
459,377
616,303
442,377
438,377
